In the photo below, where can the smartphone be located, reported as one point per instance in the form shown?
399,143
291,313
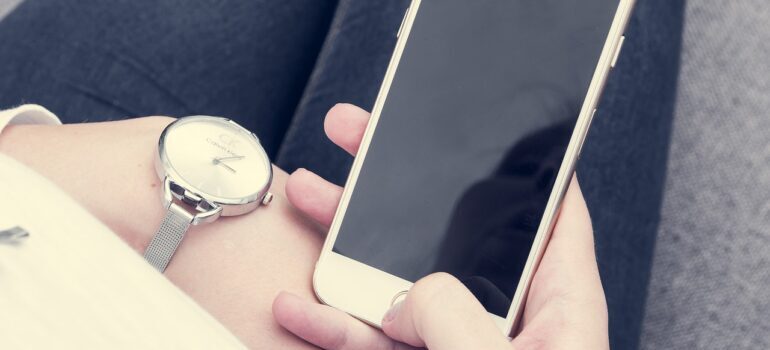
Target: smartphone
472,143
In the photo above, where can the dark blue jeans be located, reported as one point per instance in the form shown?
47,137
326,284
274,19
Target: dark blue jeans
277,66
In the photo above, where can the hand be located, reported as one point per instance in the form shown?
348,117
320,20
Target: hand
565,308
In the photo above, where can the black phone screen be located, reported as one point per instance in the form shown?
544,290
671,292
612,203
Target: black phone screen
471,137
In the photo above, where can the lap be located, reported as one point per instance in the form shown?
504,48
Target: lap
623,169
94,60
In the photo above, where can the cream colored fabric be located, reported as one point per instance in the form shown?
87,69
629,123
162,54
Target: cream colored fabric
72,284
27,114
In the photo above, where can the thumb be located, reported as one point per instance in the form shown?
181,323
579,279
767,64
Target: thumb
441,314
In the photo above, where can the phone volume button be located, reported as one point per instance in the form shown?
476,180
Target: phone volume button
617,51
585,134
403,21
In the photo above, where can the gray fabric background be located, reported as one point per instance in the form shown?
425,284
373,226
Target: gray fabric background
710,279
710,274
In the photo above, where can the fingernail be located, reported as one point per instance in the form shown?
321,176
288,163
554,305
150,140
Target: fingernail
392,312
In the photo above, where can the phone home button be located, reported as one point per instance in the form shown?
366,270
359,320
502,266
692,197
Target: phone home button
400,296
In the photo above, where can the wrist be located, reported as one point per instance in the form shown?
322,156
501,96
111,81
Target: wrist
106,167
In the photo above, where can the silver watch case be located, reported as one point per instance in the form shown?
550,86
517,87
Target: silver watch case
207,208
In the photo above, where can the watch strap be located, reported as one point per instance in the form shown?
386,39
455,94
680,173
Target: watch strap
168,237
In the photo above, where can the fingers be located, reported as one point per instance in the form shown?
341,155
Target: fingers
328,328
345,125
568,269
566,301
440,313
313,195
572,243
572,250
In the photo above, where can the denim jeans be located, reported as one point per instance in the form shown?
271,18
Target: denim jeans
277,66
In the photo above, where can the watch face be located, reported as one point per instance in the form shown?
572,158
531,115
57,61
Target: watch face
217,158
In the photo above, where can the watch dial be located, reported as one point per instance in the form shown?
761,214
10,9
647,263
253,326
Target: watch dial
217,157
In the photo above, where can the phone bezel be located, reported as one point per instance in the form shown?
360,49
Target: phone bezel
366,292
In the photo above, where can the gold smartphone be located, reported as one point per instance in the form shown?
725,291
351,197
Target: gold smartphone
472,143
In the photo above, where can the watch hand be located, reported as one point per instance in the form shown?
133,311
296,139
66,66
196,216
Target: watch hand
229,158
218,161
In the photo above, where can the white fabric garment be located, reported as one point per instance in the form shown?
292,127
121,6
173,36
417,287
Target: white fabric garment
73,284
27,114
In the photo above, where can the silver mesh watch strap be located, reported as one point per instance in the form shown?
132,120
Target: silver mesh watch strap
169,235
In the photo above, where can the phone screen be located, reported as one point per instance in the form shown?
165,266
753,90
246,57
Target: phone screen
470,139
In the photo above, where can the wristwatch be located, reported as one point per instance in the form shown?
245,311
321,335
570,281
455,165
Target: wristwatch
210,167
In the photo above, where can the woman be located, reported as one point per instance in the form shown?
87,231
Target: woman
252,61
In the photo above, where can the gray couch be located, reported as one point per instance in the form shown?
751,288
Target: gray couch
710,283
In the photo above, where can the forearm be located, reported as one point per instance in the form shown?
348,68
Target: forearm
106,167
236,266
233,267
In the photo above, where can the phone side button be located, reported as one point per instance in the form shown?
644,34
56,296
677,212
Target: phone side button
400,296
403,21
585,136
617,51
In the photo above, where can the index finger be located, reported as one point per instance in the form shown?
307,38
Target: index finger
345,125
